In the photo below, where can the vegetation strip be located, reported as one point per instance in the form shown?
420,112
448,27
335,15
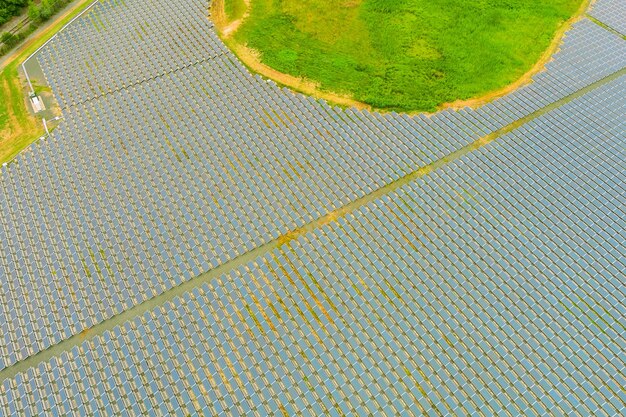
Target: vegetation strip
264,249
607,27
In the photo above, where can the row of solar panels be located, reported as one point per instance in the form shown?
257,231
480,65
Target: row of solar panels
459,294
611,13
151,185
117,45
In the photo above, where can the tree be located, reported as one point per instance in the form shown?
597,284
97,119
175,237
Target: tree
10,8
47,9
33,11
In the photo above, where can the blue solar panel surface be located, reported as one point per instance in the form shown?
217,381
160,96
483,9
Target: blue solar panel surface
493,285
456,295
166,167
611,13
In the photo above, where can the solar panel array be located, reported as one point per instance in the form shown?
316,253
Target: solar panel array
121,43
492,286
164,168
611,13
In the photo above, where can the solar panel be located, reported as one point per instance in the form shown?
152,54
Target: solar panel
146,164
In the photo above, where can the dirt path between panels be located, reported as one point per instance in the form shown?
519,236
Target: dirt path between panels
251,59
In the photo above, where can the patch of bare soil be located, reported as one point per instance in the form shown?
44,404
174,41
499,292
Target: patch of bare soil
225,27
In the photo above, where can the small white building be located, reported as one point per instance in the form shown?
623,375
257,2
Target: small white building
37,103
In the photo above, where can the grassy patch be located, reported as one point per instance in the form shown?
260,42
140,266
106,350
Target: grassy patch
404,55
234,9
18,128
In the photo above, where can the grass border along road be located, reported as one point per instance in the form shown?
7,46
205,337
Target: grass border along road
18,127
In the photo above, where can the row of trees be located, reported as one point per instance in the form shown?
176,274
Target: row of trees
10,8
45,9
37,12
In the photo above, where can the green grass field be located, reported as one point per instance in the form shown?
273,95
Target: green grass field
404,55
18,128
234,9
